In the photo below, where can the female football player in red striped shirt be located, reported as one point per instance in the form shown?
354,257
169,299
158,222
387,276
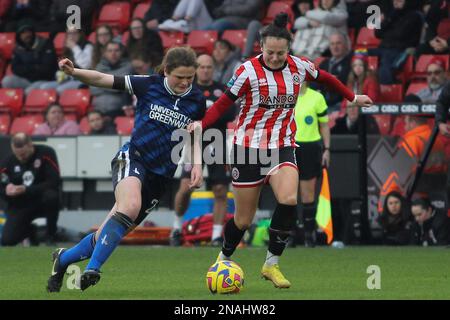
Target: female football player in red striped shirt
268,85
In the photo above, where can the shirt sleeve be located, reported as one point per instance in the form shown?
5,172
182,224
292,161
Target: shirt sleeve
137,85
322,109
239,84
310,68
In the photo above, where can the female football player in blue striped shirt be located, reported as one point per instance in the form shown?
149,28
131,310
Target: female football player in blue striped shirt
165,102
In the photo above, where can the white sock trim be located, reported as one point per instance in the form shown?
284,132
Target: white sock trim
271,259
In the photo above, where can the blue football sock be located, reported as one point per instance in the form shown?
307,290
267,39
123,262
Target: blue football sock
109,238
82,251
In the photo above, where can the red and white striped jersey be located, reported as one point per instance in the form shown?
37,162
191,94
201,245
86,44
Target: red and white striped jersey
268,99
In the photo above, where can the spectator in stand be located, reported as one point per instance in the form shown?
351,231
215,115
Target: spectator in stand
299,8
140,65
98,125
395,220
191,15
55,124
339,66
110,101
34,60
30,184
59,15
226,61
236,14
436,79
159,11
146,42
314,29
35,12
436,40
431,226
103,35
361,79
400,29
349,124
78,49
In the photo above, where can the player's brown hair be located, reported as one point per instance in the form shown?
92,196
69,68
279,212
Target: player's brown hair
178,57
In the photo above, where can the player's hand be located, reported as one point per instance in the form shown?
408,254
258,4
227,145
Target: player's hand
444,129
363,101
326,159
66,66
13,190
196,177
194,126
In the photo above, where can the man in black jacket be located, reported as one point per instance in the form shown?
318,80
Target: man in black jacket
30,185
34,60
442,107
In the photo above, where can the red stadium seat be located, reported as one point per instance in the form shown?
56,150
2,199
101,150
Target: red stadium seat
43,34
383,122
398,128
7,44
11,101
140,10
443,29
58,43
415,87
124,125
5,121
92,37
171,39
115,14
275,8
39,99
75,101
352,35
26,124
236,37
366,38
202,41
84,125
124,38
405,74
391,93
373,63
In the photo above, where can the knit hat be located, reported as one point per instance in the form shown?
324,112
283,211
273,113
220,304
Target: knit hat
361,54
24,25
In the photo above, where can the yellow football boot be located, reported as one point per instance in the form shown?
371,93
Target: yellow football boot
274,274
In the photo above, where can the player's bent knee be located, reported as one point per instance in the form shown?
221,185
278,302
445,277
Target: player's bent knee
242,224
131,208
290,200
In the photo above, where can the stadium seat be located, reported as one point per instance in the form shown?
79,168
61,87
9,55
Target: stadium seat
75,101
236,37
7,44
84,125
383,122
398,128
171,39
202,41
5,121
58,43
124,125
415,87
26,124
391,93
423,62
39,99
43,34
124,38
115,14
92,38
443,29
373,63
366,38
352,35
140,10
275,8
11,101
408,68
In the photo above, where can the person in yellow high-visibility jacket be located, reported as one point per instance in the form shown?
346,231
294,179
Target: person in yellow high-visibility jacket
313,152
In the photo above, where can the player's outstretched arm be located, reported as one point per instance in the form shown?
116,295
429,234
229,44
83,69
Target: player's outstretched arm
89,77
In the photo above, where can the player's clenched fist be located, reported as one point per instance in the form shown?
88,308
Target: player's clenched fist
66,66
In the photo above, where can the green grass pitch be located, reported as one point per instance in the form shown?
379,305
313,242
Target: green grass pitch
179,273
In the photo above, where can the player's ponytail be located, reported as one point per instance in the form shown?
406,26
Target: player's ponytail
277,29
